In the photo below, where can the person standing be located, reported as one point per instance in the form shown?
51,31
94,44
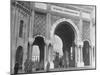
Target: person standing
16,68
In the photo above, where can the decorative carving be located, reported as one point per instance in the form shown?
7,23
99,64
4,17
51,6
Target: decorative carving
19,5
39,27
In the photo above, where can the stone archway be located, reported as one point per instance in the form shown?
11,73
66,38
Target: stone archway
76,30
39,43
70,36
19,57
86,53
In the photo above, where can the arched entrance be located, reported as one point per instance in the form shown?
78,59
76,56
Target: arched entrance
86,53
69,33
19,57
40,44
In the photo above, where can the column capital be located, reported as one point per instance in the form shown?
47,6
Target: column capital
92,44
31,40
80,43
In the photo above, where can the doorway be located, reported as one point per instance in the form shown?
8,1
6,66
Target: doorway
39,46
67,34
86,53
19,57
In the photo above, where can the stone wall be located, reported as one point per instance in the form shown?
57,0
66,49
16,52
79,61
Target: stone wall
17,15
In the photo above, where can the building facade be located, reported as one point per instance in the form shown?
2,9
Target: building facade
36,23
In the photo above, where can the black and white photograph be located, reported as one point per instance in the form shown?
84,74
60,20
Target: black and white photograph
51,37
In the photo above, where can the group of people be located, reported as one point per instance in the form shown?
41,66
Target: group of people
56,61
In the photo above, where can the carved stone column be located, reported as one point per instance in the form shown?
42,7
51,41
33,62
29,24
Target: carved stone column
46,54
30,49
80,62
76,55
47,41
29,57
92,56
94,61
81,54
92,37
31,39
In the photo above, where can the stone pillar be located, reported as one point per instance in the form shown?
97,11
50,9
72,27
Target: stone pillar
92,37
13,38
31,34
80,62
48,25
76,55
92,57
30,49
30,40
81,54
46,54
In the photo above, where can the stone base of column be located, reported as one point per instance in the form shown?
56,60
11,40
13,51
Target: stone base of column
80,64
51,65
93,64
45,65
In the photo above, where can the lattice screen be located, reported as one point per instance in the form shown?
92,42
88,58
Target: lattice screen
86,30
39,27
